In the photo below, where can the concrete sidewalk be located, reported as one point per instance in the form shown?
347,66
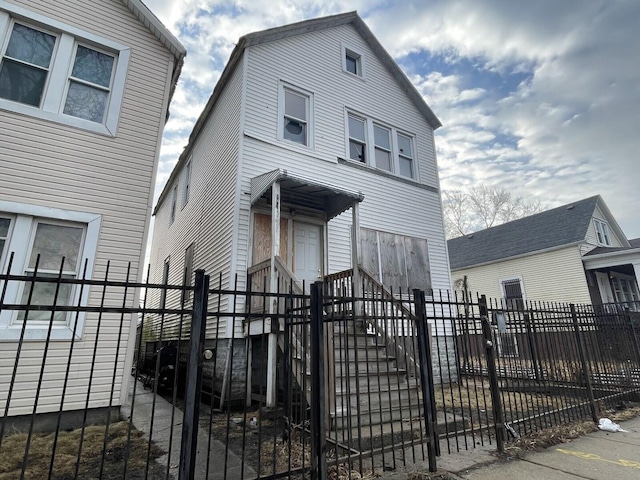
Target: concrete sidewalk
163,412
599,455
596,456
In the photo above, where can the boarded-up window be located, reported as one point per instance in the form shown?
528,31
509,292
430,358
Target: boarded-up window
398,261
262,238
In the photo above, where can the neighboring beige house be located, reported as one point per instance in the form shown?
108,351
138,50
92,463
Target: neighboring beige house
312,134
574,253
85,87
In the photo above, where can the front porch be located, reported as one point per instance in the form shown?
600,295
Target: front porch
613,276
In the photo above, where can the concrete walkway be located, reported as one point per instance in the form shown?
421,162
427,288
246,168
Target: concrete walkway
161,436
597,456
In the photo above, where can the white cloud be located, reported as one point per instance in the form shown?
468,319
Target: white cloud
567,131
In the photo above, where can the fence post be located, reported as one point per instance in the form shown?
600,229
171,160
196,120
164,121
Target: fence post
426,378
583,361
496,401
318,398
634,335
194,378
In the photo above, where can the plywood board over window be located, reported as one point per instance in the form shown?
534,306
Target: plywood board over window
262,238
400,262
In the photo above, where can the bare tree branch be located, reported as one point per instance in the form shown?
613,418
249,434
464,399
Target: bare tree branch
480,206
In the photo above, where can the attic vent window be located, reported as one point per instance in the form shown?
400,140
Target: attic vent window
352,62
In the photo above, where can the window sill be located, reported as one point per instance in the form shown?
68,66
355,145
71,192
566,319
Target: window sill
383,173
39,332
76,122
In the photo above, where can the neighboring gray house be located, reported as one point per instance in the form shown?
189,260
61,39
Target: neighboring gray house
574,253
85,87
312,134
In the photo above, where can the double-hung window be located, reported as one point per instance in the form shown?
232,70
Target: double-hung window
174,204
405,156
357,139
389,149
187,182
45,243
25,65
602,232
57,72
382,138
296,111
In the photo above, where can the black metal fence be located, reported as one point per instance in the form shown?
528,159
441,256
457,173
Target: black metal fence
349,377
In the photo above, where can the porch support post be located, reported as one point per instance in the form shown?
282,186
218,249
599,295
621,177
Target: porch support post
272,343
636,269
355,255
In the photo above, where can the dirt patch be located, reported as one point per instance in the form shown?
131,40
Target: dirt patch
91,463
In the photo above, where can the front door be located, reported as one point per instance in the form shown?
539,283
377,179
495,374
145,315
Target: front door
605,287
308,253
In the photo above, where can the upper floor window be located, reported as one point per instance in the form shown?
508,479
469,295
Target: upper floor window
45,243
295,115
390,150
187,182
357,139
352,62
174,204
602,232
60,73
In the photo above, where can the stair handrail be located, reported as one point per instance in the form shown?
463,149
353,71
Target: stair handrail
395,302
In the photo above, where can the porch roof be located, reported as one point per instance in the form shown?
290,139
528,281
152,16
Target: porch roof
298,190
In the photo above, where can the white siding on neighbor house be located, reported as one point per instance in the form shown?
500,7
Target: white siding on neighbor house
553,276
591,239
50,164
207,218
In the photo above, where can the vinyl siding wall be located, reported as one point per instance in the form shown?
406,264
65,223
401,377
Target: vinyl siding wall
554,276
591,239
207,219
314,62
51,164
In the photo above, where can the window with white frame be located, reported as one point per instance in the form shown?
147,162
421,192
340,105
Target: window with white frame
174,204
165,281
357,139
296,112
187,182
625,290
58,72
45,243
352,62
602,232
5,225
391,150
513,293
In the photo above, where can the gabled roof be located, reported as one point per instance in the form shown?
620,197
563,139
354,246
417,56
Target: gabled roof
155,26
287,31
554,228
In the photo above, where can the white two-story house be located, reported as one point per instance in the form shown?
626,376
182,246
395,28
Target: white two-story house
316,151
85,87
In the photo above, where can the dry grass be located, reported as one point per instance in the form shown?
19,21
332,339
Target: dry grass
563,433
290,455
66,455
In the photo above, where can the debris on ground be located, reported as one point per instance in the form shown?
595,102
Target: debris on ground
607,425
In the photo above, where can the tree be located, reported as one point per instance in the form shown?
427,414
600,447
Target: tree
479,207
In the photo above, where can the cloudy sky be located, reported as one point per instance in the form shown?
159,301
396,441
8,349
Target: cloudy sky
541,97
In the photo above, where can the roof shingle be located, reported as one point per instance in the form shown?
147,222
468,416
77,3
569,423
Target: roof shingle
556,227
